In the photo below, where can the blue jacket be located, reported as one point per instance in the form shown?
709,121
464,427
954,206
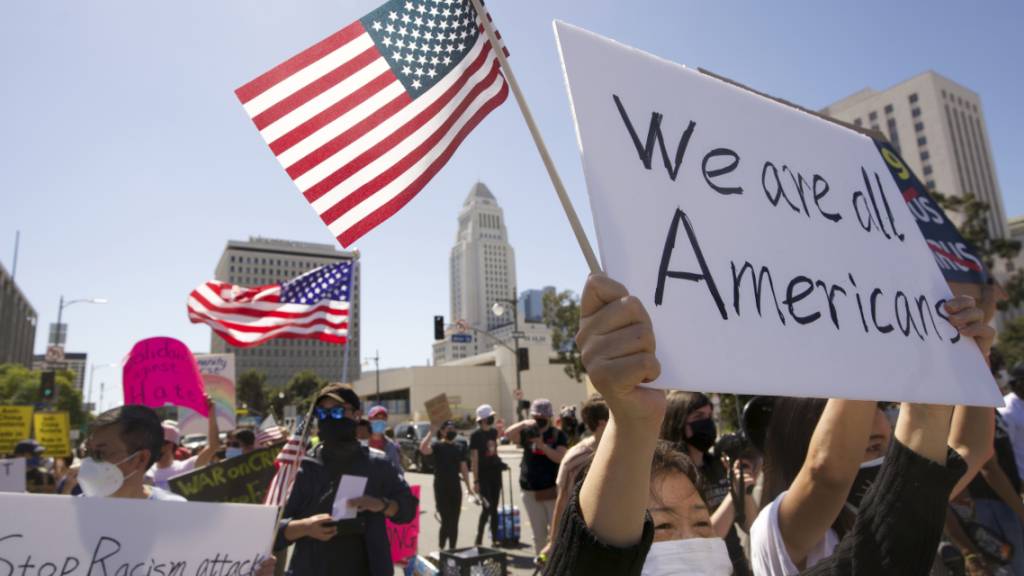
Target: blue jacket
313,493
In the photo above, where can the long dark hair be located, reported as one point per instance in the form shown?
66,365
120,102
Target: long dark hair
785,449
680,406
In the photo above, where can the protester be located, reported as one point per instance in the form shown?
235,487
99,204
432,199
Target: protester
168,467
544,446
357,547
240,443
487,468
378,417
449,465
578,458
569,423
1013,414
689,425
39,479
605,529
363,432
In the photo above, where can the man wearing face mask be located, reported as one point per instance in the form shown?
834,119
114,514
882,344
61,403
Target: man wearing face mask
38,479
544,446
378,417
357,547
487,468
240,443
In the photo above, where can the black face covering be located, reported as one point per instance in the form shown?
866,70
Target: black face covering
489,420
336,432
704,434
541,422
450,435
865,478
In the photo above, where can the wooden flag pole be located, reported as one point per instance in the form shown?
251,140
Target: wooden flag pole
556,180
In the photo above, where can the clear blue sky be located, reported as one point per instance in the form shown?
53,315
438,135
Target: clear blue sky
127,163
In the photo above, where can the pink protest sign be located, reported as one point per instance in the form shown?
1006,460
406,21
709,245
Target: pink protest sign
405,538
163,371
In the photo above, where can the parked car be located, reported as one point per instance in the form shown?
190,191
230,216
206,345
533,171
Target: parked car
409,435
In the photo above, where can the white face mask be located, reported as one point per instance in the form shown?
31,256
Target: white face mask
101,479
232,452
693,556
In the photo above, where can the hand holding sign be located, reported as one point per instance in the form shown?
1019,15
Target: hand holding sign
163,371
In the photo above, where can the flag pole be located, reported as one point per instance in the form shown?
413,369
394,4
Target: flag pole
348,337
556,180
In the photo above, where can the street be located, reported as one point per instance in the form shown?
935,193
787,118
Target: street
520,560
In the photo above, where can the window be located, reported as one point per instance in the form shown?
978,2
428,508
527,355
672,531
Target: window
913,98
919,127
873,116
925,155
930,184
915,112
927,169
888,108
921,140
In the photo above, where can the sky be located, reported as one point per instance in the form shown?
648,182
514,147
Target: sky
128,163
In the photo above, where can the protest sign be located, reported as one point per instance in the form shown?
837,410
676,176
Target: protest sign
243,479
53,431
163,371
218,374
15,426
405,538
438,409
12,475
120,535
771,247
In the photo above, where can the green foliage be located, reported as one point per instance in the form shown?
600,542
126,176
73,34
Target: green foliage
562,316
21,386
302,387
251,391
1011,342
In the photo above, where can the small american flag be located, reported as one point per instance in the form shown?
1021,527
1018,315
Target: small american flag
364,119
269,432
313,305
287,463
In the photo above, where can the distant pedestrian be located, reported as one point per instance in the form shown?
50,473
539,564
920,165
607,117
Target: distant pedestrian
38,478
378,417
487,468
449,464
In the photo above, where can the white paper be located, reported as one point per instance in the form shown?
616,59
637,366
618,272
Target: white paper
12,475
728,344
349,488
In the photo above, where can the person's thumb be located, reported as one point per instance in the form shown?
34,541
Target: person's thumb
600,290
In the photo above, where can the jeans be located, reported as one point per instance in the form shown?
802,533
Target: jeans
448,497
998,517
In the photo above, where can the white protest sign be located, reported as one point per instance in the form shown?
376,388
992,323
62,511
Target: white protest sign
772,248
83,536
218,373
349,488
12,475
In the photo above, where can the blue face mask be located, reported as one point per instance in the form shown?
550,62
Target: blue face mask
378,426
232,452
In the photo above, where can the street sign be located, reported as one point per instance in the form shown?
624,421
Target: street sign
54,354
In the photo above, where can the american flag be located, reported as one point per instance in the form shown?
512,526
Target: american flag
287,463
269,432
364,119
313,305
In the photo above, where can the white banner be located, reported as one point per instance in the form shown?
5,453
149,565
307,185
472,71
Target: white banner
772,248
218,372
65,536
12,475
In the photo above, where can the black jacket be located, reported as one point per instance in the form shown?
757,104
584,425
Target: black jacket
897,530
313,494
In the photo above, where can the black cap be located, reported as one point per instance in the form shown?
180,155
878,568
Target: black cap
341,393
29,446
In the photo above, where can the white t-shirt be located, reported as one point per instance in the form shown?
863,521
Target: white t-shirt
1013,415
159,476
768,555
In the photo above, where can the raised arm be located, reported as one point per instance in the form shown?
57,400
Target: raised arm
212,436
425,447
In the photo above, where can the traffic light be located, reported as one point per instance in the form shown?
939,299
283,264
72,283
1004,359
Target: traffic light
48,387
523,358
438,327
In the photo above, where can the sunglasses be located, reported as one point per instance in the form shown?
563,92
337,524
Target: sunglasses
335,413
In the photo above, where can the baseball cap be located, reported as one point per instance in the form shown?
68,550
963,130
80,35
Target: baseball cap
171,432
542,407
377,412
29,445
340,393
483,412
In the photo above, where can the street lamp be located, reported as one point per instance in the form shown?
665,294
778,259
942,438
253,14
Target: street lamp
498,308
376,364
92,377
63,305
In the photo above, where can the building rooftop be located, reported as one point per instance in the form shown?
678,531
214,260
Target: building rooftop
479,190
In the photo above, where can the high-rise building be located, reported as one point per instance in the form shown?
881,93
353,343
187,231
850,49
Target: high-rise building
18,321
482,269
73,361
938,127
531,304
261,261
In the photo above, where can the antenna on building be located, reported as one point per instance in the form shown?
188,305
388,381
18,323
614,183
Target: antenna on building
14,265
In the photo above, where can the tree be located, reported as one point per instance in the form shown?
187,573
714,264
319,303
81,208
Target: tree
21,386
250,391
302,387
562,316
1011,342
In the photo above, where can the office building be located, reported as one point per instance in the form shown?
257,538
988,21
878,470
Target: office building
938,127
531,304
18,321
76,362
261,261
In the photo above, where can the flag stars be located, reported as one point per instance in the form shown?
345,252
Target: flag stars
416,84
392,15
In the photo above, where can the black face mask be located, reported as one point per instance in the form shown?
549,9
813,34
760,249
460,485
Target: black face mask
450,435
865,478
489,420
704,434
541,422
335,432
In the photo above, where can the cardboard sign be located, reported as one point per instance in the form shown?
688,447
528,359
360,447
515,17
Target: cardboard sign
218,374
242,479
117,535
15,426
53,431
12,475
770,247
405,538
438,409
163,371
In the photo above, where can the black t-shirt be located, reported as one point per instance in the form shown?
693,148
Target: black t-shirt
716,481
537,471
485,442
448,458
978,487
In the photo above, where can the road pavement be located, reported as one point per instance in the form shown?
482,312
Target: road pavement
520,560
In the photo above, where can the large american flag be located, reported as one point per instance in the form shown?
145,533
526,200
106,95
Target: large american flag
364,119
288,461
313,305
